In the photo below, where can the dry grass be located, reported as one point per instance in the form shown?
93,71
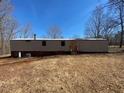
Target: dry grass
89,73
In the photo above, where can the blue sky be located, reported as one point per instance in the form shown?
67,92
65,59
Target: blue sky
69,15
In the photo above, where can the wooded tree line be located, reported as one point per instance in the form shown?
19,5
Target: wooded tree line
107,21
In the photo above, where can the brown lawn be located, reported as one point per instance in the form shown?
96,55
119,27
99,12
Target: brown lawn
87,73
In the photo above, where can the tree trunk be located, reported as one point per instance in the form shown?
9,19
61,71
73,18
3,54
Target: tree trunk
1,37
122,34
2,45
122,28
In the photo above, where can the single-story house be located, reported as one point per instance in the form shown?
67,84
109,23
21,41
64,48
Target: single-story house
39,46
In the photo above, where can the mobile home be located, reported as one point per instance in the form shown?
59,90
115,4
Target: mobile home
39,47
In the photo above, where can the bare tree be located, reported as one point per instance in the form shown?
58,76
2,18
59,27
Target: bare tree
95,23
118,7
100,24
54,32
26,31
5,10
10,29
109,27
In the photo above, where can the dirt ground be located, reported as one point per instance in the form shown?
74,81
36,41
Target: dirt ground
86,73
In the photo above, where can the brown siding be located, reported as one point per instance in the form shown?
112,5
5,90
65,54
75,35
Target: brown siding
55,45
21,45
93,46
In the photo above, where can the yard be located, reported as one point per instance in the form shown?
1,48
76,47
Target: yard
86,73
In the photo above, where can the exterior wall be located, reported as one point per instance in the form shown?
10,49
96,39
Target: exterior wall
36,45
54,46
93,46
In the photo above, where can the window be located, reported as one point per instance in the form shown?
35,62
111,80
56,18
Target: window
27,40
62,43
43,43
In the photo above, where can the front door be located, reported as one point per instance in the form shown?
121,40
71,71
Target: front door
73,46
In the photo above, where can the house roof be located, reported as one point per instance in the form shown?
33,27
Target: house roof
59,39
